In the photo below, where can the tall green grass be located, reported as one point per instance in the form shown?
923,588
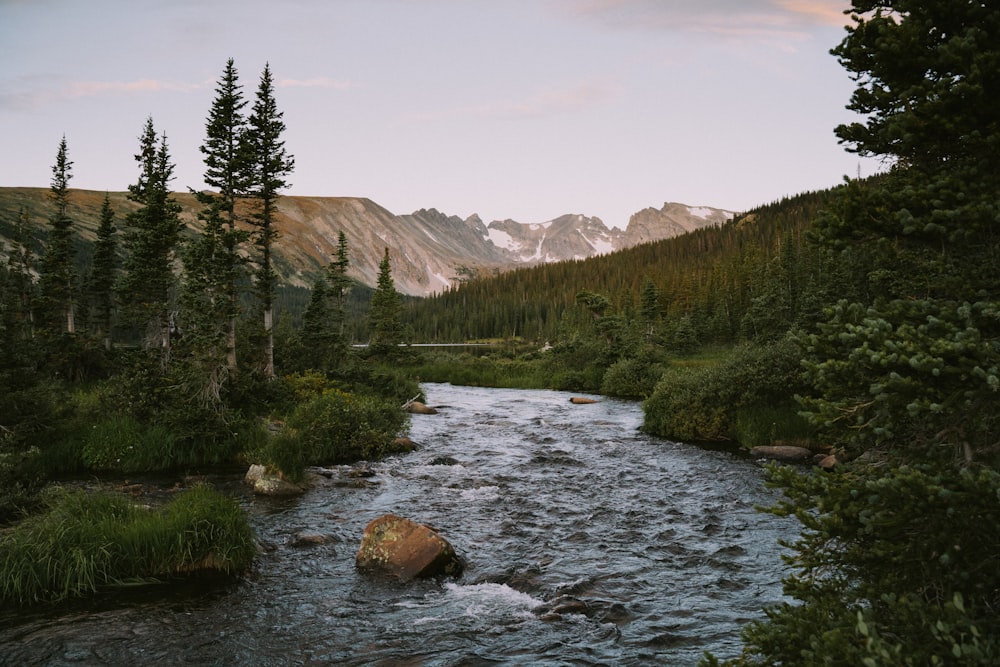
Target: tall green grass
83,542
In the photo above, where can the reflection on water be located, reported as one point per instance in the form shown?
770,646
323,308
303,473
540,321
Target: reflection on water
586,543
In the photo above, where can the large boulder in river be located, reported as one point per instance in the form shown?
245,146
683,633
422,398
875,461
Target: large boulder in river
782,452
405,549
582,400
268,483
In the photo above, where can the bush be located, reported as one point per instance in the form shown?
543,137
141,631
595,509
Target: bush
83,542
336,427
632,378
707,403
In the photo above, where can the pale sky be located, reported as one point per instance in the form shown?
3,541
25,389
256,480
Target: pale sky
522,109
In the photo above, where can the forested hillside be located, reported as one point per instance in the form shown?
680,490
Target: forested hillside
755,275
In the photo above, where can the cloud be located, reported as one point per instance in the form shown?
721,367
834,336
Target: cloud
822,12
316,82
27,93
93,88
789,21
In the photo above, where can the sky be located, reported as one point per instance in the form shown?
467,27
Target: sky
519,109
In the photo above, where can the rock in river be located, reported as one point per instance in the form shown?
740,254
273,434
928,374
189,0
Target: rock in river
406,549
268,483
418,408
782,452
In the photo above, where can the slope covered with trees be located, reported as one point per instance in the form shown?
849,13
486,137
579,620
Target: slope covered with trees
755,275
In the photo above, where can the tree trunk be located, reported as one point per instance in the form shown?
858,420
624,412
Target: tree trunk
231,345
269,345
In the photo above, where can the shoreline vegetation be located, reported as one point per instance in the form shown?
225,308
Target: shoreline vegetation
83,542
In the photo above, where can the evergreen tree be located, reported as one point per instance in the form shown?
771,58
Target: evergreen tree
649,309
339,283
318,335
147,286
100,287
270,165
227,170
385,318
58,278
898,563
205,309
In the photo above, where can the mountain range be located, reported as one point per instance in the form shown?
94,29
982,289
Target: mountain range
429,250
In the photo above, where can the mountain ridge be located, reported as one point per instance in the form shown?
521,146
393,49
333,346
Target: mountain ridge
430,251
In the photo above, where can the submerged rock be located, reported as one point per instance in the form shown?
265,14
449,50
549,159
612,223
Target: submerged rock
406,550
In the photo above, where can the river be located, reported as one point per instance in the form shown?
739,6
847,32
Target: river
586,543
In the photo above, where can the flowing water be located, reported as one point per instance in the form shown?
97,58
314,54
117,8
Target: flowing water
586,543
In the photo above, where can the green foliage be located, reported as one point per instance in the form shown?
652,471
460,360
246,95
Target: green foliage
83,542
634,377
101,281
335,427
895,566
898,561
57,280
146,286
709,402
927,84
121,443
924,373
385,318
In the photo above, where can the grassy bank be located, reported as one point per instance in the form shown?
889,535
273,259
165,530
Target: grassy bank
82,542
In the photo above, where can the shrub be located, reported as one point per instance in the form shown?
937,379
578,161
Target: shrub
82,542
335,427
632,378
706,403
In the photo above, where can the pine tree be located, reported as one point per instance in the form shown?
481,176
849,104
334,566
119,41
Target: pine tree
385,317
898,563
147,287
100,287
204,316
227,170
649,309
318,333
58,278
270,165
339,283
